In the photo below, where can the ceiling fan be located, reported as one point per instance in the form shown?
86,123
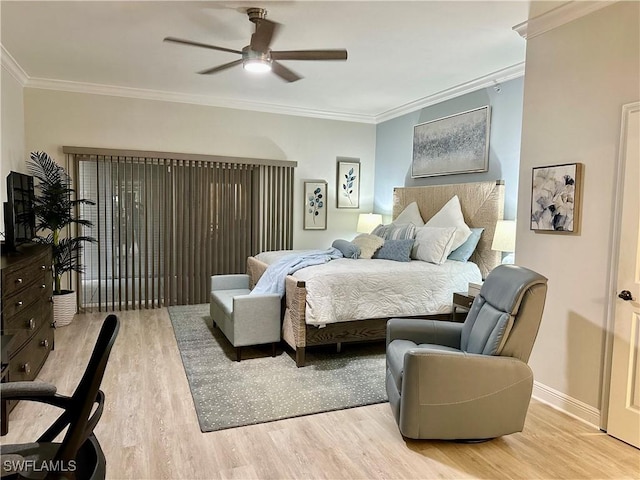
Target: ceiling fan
258,56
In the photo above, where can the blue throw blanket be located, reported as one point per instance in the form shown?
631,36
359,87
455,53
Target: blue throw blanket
272,280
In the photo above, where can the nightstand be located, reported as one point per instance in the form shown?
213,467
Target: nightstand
463,301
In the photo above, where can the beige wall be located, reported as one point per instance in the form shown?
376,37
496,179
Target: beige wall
578,76
54,119
12,128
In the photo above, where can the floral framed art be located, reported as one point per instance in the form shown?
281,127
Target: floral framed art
555,198
315,205
348,183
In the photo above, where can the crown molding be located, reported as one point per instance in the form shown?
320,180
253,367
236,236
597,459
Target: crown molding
10,64
12,67
490,80
558,16
144,94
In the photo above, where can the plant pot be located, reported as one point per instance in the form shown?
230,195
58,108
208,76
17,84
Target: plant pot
64,308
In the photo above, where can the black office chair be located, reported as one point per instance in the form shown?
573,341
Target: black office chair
79,455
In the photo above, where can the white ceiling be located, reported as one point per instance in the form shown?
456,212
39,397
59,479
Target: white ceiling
399,52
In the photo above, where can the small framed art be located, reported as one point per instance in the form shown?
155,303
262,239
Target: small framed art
348,184
315,205
555,198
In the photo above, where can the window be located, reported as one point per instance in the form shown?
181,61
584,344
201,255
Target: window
166,223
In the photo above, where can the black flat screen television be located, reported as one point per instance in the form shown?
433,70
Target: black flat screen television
19,217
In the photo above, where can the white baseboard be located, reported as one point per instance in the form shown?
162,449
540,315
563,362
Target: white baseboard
566,404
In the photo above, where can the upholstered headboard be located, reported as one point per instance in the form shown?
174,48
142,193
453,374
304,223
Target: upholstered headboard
482,206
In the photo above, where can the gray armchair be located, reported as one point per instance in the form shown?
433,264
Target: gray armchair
244,318
468,381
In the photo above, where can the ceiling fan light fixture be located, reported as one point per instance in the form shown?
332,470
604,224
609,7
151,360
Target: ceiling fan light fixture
257,65
258,62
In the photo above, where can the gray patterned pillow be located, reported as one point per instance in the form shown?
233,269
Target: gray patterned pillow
398,250
395,232
379,230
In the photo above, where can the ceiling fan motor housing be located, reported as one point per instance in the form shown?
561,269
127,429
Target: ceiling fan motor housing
256,14
251,55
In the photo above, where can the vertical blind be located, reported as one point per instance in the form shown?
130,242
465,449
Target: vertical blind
165,223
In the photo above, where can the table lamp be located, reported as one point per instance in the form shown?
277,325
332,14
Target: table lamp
504,239
368,221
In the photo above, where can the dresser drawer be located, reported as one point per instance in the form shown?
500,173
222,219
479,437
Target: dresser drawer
17,280
26,364
26,323
34,293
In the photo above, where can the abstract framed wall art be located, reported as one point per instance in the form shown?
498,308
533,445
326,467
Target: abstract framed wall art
555,198
348,183
315,205
455,144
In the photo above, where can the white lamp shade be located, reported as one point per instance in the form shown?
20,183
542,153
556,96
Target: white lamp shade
368,221
504,238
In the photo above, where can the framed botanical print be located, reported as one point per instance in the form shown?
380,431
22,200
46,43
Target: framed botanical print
348,184
315,205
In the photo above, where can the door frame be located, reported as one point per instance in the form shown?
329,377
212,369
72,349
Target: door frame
612,284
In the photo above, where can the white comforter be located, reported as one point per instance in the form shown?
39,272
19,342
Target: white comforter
346,289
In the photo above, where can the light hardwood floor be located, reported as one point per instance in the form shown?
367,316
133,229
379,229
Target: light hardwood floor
149,429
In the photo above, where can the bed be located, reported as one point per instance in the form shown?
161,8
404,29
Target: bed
482,204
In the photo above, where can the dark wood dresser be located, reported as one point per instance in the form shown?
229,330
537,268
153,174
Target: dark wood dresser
26,283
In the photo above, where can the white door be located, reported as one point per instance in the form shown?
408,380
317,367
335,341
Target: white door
624,394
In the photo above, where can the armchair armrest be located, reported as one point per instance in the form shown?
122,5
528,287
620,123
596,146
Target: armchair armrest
463,396
18,390
34,392
256,318
425,331
229,282
246,308
465,377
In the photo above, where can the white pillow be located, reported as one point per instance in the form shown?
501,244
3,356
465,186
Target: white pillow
451,216
410,214
369,244
433,244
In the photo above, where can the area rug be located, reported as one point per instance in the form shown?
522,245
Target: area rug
262,388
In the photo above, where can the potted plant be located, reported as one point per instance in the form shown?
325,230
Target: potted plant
54,210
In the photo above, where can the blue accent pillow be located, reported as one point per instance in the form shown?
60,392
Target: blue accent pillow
348,249
464,251
397,250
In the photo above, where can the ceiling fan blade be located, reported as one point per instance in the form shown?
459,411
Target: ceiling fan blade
203,45
219,68
261,39
283,72
310,55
